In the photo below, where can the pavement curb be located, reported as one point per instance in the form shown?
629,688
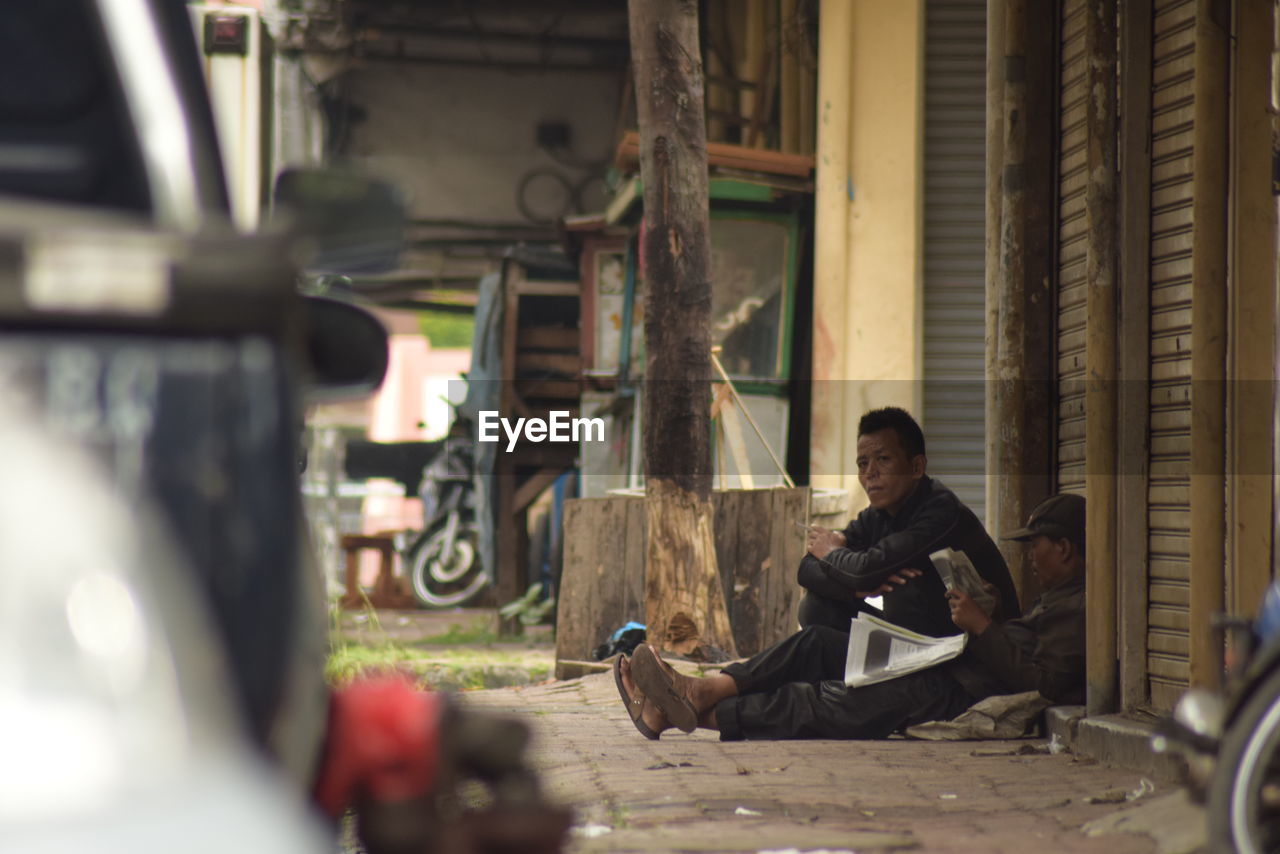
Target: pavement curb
1113,739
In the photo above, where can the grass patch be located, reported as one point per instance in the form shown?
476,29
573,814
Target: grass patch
478,633
365,629
348,662
465,656
439,670
447,329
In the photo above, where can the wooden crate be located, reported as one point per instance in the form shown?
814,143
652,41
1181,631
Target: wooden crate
758,548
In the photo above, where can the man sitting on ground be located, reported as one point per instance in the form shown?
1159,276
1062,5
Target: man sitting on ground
796,688
886,548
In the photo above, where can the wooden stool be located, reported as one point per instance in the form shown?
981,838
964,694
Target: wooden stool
386,593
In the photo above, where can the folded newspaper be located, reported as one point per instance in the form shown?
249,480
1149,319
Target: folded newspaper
879,650
958,573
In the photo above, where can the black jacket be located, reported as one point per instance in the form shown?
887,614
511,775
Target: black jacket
879,544
1043,651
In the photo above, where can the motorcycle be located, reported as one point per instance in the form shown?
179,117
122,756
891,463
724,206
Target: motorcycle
444,561
1230,739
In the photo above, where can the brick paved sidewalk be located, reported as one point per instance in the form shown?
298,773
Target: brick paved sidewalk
695,793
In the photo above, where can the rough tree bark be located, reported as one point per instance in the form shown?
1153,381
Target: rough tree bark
684,600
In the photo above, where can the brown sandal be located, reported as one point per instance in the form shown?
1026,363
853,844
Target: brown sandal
634,704
664,687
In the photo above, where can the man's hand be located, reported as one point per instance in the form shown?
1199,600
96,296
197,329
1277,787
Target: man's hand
822,542
994,592
896,580
966,613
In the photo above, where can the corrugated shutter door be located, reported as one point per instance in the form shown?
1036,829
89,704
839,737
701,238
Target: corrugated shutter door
1168,499
954,246
1072,247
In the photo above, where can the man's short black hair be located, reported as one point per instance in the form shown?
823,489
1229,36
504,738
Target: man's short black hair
899,421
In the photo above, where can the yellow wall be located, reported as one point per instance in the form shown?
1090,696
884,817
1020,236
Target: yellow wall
868,312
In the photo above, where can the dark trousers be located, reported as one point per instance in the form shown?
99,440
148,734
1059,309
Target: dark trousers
795,689
818,610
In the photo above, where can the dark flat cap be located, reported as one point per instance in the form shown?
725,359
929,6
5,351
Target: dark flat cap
1057,516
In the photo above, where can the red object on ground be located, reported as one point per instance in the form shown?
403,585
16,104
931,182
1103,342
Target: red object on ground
383,744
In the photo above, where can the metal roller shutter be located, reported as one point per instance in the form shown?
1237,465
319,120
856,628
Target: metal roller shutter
954,241
1168,498
1072,246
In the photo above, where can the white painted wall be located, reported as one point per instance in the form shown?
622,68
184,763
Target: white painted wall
460,140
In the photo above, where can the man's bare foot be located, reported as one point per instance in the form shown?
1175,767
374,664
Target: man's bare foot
704,692
707,692
652,716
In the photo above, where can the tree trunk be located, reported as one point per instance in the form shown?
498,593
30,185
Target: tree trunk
684,600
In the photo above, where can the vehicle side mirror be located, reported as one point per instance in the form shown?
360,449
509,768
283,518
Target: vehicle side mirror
351,222
346,348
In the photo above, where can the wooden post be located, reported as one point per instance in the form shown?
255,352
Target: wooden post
1102,263
1020,353
684,599
1208,336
